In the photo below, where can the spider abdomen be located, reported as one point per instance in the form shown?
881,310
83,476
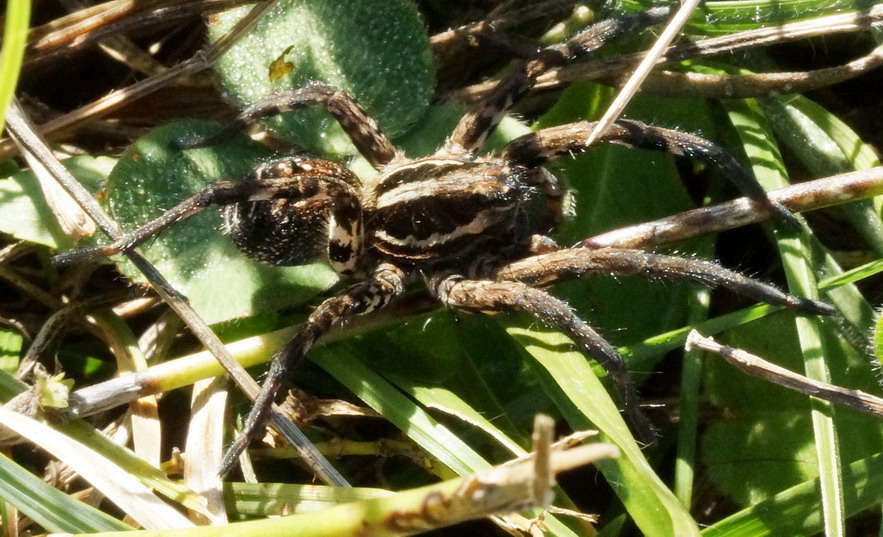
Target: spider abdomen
433,210
279,232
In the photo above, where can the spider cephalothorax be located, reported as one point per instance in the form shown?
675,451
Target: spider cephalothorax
455,220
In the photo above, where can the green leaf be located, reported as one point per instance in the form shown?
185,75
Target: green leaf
571,382
195,255
375,50
24,213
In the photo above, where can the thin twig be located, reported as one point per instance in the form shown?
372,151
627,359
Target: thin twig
594,70
802,197
759,85
634,82
500,22
760,368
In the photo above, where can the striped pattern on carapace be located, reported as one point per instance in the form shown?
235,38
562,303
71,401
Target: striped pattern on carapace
437,210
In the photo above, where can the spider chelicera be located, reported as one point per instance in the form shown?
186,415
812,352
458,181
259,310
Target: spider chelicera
455,220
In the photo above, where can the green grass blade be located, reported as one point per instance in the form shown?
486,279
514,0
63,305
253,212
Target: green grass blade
48,506
118,485
852,275
449,402
275,499
15,34
642,353
87,435
801,280
827,146
341,362
688,424
344,365
149,475
796,254
571,382
796,511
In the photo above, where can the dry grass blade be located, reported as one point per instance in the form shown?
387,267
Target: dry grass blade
203,451
116,484
119,98
612,69
758,367
633,84
503,489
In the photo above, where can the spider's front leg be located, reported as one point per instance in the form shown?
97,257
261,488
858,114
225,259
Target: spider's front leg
537,148
280,198
386,283
495,296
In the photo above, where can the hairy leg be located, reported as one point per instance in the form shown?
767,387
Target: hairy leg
494,296
537,148
548,268
386,283
474,127
358,125
285,179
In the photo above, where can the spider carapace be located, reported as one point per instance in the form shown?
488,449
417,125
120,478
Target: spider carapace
455,220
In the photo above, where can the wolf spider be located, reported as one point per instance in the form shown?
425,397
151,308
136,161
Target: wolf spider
454,219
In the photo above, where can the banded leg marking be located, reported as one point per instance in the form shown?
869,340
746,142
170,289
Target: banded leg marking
218,194
386,283
285,179
358,125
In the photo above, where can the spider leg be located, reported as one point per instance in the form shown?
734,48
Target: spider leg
386,283
285,179
494,296
545,269
555,206
536,148
358,125
474,127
